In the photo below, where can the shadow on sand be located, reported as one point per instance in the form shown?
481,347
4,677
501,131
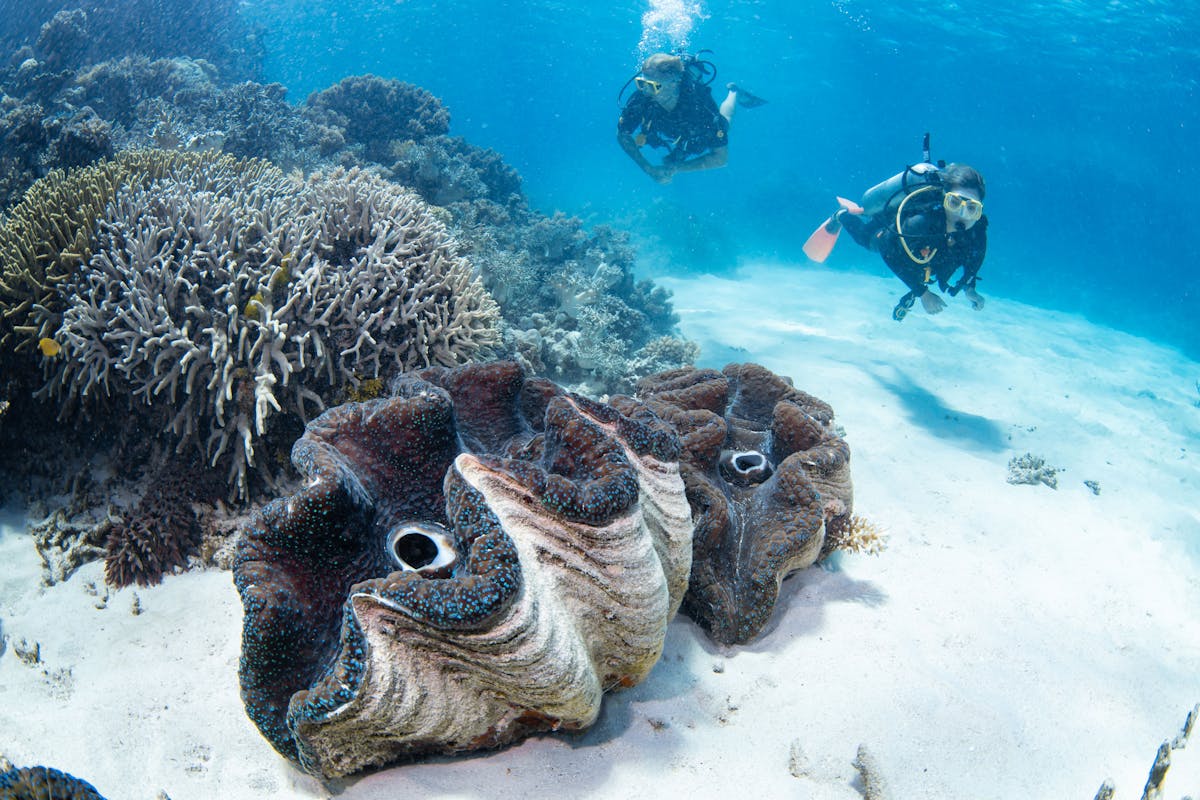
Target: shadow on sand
925,409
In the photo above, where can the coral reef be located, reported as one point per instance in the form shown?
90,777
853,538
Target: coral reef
767,474
69,35
446,170
1032,470
46,237
374,113
232,293
68,119
571,306
70,98
473,559
35,783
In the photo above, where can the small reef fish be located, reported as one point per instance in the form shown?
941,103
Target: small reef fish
49,347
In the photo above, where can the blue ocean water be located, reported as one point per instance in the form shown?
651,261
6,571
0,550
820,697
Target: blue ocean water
1082,116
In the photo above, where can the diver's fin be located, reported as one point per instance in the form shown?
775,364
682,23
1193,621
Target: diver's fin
850,205
820,244
745,99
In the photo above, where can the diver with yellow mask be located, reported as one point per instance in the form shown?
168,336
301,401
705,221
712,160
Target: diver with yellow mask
927,222
672,109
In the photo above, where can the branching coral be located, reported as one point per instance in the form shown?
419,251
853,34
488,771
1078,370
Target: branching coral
51,232
574,308
235,296
65,543
855,533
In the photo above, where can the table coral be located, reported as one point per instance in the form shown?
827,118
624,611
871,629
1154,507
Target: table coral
766,473
475,558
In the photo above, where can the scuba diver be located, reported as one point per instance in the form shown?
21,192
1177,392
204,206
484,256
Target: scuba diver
673,109
926,222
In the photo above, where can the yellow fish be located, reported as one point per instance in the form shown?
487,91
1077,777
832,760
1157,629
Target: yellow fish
254,306
49,347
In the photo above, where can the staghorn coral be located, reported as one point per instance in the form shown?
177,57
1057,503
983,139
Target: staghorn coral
236,295
44,238
47,236
476,558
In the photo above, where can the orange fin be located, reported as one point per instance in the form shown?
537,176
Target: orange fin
820,244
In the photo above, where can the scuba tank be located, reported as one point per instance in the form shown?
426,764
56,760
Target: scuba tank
879,197
886,195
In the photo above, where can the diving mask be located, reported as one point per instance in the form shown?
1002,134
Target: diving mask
648,86
960,205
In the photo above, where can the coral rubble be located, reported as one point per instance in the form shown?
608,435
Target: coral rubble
767,475
1032,470
475,558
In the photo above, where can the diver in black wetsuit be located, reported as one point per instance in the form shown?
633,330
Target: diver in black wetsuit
673,109
925,234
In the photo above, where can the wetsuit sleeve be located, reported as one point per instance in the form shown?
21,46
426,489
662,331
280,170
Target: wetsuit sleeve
632,115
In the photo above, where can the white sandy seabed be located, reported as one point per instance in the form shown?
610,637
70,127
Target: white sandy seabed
1012,641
